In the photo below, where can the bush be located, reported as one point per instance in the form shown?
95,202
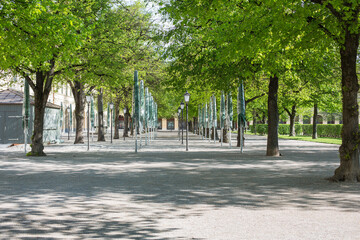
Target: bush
284,129
261,129
323,130
329,130
307,129
298,129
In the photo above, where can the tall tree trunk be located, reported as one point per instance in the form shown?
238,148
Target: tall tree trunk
41,92
349,149
273,115
101,135
37,145
117,113
77,89
292,115
314,132
254,121
126,123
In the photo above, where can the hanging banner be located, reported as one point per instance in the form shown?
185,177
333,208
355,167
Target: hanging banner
206,116
222,111
210,114
146,107
230,110
108,115
136,99
142,104
71,122
92,113
241,104
214,112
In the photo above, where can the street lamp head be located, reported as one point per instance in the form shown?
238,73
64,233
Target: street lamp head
88,98
179,110
111,106
187,97
182,105
124,110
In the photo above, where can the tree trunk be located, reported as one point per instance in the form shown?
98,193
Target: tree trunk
314,132
41,92
77,89
292,116
126,123
254,121
101,135
37,145
349,149
117,120
273,116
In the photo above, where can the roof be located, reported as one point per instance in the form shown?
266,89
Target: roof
13,97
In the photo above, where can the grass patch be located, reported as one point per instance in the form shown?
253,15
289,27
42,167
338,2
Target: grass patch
309,139
337,141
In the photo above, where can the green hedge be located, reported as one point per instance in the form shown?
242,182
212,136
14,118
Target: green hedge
323,130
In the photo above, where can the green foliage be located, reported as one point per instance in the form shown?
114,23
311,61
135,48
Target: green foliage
307,129
323,130
309,139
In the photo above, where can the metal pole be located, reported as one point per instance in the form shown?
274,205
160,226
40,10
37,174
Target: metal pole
222,135
187,129
69,127
88,129
182,126
111,126
230,137
140,130
214,135
135,133
179,127
25,133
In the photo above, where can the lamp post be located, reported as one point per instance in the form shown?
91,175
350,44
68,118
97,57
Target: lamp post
88,100
124,122
111,119
182,122
187,99
68,111
179,111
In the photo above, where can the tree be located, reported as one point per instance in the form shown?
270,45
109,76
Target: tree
37,41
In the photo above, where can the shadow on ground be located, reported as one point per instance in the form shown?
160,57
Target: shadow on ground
123,195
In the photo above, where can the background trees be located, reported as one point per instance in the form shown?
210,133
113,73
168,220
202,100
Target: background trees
276,37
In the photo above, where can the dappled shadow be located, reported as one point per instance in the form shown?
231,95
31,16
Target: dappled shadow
120,194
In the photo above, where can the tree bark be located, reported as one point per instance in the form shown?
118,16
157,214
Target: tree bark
292,116
117,113
37,145
273,118
126,123
100,127
41,92
254,121
349,149
77,89
314,132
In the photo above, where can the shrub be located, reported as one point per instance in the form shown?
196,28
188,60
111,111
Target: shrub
298,129
329,130
323,130
307,129
284,129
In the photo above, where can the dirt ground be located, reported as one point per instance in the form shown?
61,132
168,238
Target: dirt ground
164,192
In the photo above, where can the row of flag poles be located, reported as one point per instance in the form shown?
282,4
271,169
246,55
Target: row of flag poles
145,112
207,116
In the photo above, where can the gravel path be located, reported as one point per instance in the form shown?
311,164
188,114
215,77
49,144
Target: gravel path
163,192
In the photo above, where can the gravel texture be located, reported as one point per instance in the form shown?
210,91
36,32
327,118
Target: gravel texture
163,192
